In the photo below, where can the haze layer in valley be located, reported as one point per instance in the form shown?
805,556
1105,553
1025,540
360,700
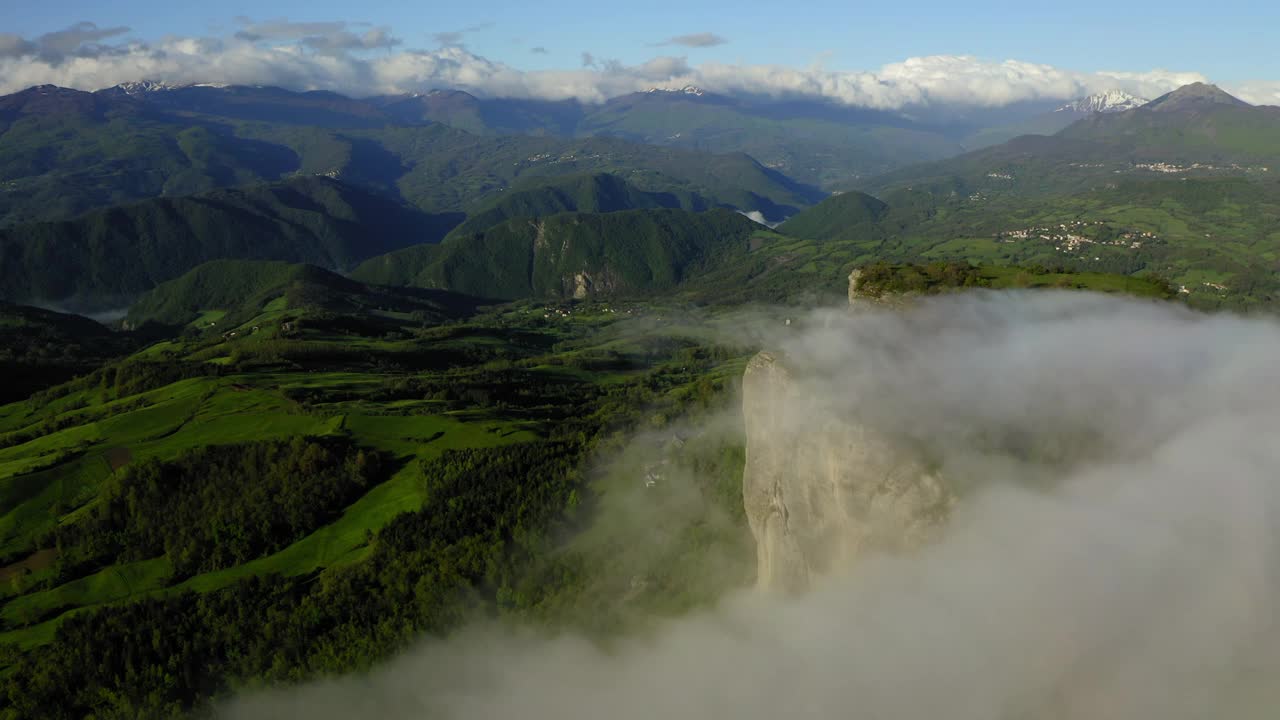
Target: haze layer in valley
1113,550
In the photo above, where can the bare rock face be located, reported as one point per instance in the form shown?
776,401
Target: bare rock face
819,490
581,286
854,278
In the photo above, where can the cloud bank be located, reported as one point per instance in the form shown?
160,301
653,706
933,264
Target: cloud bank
358,60
1135,577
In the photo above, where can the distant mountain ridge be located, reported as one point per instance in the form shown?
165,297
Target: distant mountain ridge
64,152
1195,131
1197,123
1195,96
819,143
141,87
693,90
1054,121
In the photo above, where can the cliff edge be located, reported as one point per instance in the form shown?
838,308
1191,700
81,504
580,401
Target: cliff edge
820,490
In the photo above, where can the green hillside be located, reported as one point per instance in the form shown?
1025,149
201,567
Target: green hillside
221,285
115,254
440,169
849,215
592,193
1181,188
626,253
1197,131
227,293
913,279
1218,239
376,466
63,152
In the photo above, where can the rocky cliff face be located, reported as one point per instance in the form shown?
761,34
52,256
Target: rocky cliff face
820,490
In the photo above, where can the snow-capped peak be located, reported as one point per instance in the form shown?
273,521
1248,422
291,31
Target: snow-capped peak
687,90
1107,102
145,86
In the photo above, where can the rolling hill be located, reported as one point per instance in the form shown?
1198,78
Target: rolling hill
591,193
849,215
440,169
109,256
625,253
63,152
235,291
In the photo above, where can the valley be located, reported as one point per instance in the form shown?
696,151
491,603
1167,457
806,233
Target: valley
623,380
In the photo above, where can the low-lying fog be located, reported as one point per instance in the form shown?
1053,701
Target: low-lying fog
1115,551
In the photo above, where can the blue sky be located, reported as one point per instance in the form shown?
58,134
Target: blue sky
887,55
1227,40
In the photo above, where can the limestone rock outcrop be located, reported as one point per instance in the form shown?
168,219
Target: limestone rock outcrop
854,278
820,490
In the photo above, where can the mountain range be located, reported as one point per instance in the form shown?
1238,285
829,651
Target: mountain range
818,143
1195,131
63,152
358,183
389,364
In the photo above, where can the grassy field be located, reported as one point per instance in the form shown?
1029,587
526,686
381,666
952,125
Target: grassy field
63,449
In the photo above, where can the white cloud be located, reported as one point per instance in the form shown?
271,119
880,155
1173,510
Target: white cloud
1259,92
335,56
